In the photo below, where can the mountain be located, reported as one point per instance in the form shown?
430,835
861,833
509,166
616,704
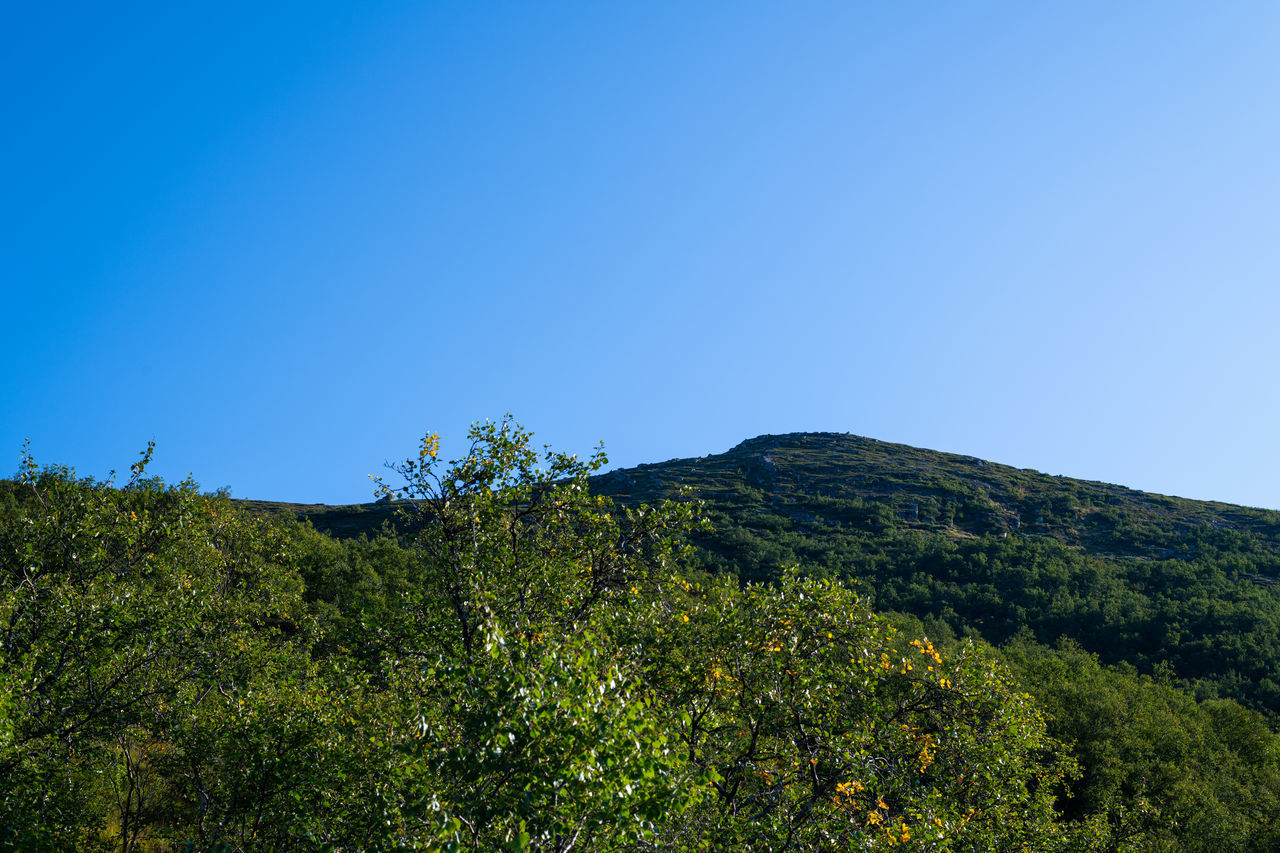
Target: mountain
798,475
1187,590
820,481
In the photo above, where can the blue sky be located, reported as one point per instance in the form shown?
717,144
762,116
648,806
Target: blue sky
285,242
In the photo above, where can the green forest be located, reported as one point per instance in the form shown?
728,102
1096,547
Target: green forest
813,642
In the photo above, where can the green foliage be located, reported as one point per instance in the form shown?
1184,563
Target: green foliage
826,730
988,549
120,607
526,664
513,535
168,680
548,745
1161,772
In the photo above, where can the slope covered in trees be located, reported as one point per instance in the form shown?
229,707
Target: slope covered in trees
1188,590
529,663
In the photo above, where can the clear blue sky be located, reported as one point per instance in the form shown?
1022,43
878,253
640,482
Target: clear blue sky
284,240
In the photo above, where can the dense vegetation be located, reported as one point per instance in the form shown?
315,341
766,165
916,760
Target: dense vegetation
531,659
1187,590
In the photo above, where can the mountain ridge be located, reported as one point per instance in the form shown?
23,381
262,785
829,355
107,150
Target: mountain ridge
985,497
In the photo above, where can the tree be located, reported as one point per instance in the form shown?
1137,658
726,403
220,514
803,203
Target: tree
516,536
1160,771
584,680
123,610
826,730
535,732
